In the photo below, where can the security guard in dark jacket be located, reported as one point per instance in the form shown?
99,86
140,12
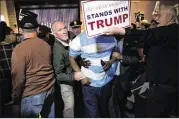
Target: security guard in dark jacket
76,27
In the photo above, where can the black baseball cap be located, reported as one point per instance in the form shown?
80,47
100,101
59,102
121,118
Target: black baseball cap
29,22
75,23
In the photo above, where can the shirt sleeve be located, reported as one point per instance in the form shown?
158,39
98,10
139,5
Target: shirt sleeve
18,75
60,67
137,35
130,60
75,47
149,37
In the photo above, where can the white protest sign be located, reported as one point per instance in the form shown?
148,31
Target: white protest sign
99,15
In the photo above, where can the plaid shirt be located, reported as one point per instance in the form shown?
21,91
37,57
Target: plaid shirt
5,60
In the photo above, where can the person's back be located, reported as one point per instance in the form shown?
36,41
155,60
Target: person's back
32,73
5,70
6,49
39,72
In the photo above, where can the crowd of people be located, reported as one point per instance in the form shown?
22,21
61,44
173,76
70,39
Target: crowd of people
123,71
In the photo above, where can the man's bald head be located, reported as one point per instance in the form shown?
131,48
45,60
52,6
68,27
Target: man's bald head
167,15
59,30
56,24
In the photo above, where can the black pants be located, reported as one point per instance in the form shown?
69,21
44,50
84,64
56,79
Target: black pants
5,97
162,101
79,104
140,106
96,100
0,100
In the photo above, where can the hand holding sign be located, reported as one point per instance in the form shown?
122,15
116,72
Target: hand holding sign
114,30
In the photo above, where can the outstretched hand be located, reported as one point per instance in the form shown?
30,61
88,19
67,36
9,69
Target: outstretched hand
107,31
114,30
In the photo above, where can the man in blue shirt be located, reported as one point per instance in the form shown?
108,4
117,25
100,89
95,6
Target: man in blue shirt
96,85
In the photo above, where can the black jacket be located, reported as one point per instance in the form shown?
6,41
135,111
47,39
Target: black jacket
129,70
162,53
129,63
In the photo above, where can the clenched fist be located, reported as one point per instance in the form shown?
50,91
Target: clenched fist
78,76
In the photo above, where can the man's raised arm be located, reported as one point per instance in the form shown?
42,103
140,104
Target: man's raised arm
142,36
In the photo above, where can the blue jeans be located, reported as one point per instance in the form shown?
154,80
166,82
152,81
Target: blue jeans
96,100
42,103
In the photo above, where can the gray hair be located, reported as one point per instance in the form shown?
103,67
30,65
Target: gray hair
52,26
172,11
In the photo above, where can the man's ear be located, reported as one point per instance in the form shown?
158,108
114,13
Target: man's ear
38,30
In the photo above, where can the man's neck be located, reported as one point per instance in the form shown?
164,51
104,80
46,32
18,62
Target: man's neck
171,22
65,43
29,35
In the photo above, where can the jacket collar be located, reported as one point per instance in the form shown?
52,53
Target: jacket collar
64,44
